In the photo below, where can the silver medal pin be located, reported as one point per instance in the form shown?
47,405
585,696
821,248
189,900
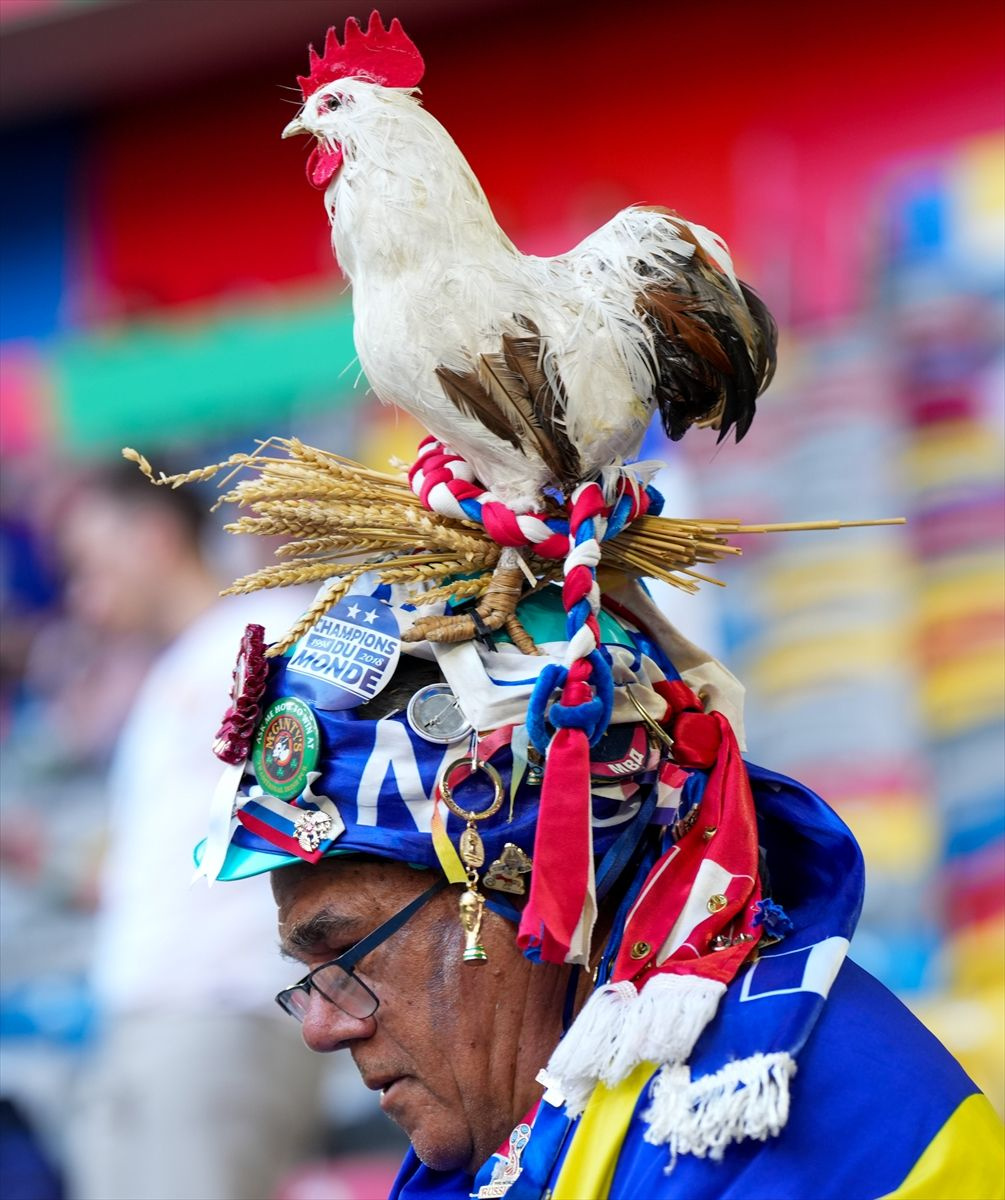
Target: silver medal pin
436,715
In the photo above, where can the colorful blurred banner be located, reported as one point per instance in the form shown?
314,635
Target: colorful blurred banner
203,377
26,421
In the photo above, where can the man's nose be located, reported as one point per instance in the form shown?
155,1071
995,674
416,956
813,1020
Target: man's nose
326,1027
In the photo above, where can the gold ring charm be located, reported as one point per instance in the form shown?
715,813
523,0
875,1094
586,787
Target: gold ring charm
472,850
448,796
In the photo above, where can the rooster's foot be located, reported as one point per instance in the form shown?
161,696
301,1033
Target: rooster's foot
496,610
464,627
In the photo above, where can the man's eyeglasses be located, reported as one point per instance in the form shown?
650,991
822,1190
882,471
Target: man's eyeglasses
335,980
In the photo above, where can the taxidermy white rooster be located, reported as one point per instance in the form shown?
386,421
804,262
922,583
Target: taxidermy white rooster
540,372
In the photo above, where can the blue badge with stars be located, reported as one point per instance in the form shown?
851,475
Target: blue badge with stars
347,656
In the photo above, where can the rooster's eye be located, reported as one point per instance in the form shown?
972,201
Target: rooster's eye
331,103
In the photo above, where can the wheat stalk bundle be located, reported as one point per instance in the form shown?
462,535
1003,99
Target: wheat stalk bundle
342,519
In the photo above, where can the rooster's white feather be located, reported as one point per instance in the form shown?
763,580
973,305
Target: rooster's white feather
437,284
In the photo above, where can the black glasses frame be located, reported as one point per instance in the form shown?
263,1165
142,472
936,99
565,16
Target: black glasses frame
348,960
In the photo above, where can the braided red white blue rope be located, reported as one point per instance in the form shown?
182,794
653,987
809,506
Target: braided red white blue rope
445,483
554,927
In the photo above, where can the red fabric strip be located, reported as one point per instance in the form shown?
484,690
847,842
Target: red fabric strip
290,844
727,807
562,849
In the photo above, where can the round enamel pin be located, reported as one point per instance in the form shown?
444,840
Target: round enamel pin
435,714
287,745
347,656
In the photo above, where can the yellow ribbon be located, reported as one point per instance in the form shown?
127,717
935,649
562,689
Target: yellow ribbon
450,861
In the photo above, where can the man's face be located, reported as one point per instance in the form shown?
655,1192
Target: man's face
454,1047
116,558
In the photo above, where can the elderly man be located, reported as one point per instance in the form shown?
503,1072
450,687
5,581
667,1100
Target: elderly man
702,1033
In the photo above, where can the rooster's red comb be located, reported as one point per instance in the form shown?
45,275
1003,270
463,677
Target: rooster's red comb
386,56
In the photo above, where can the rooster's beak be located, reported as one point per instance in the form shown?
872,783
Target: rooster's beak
295,126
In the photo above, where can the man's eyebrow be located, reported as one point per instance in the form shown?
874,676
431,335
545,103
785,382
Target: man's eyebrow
327,927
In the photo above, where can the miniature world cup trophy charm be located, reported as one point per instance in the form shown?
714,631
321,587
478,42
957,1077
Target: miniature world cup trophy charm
472,907
471,850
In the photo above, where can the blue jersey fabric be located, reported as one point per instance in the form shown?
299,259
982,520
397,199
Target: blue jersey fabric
873,1089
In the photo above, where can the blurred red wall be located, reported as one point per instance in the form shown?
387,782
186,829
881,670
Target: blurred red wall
768,125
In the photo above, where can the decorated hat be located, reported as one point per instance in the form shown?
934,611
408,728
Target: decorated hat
343,744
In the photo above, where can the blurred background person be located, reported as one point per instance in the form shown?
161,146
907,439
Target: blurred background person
66,690
196,1090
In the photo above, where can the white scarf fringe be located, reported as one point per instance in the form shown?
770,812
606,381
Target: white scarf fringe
748,1098
620,1027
